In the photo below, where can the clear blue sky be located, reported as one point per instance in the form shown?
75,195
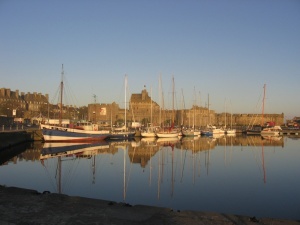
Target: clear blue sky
227,49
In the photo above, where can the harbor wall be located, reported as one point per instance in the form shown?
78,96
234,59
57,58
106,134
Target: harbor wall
12,138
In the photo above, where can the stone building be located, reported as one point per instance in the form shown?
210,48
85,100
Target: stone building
12,103
104,114
248,119
196,116
143,109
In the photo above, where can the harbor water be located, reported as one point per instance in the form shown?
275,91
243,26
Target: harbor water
241,175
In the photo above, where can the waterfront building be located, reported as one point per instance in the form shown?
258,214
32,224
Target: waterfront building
248,119
14,104
36,105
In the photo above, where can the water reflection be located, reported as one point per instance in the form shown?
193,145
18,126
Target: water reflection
197,173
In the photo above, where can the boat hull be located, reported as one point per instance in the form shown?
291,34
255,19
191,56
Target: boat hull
121,135
148,134
167,135
191,133
61,134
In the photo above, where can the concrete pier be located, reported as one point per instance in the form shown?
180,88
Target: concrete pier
23,206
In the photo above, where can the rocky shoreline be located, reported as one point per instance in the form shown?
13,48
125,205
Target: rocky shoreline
23,206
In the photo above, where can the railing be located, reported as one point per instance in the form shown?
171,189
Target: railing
15,127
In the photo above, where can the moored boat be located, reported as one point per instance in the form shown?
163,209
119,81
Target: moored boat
65,132
271,131
52,133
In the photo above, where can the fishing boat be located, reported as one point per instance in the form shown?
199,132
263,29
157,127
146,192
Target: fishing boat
65,132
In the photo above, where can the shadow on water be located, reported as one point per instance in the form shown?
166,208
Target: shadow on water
9,153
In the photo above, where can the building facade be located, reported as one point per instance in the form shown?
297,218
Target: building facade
141,108
15,104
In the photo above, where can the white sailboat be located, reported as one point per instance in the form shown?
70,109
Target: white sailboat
230,131
169,132
123,132
192,131
150,131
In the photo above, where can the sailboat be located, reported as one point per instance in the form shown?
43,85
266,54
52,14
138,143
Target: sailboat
122,133
230,131
256,130
169,132
64,132
208,130
150,131
192,131
270,130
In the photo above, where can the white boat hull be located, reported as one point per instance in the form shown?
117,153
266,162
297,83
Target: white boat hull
167,134
64,134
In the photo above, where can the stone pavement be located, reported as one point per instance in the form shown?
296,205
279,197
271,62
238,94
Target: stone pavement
28,207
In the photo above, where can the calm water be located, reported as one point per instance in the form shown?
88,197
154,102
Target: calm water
243,175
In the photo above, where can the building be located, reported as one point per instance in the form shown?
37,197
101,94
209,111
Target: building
14,104
141,109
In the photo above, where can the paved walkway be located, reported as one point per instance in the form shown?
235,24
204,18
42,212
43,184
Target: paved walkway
22,207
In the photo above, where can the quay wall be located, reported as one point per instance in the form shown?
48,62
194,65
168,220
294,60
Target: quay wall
12,138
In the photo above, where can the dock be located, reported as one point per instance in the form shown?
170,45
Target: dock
24,206
290,132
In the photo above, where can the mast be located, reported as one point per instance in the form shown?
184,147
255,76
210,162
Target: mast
183,108
161,101
61,94
125,101
173,101
208,111
194,106
200,117
151,104
263,108
94,112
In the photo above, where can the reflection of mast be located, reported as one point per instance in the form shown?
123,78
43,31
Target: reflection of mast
94,169
159,173
207,158
263,108
172,146
150,166
194,164
124,181
59,175
263,162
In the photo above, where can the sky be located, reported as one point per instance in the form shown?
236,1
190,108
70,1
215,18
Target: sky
216,51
